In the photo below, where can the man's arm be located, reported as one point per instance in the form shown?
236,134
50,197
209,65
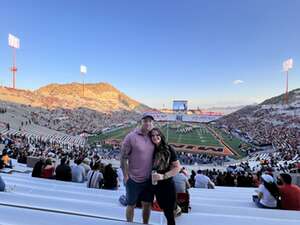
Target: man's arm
212,184
124,167
125,151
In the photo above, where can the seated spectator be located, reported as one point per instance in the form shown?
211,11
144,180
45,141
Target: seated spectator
48,170
85,164
38,167
95,177
268,193
181,182
192,179
63,171
249,180
229,180
78,172
256,179
1,164
290,193
241,179
6,160
202,181
2,184
22,158
110,178
95,159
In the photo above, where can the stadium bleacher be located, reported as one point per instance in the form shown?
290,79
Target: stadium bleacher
42,201
17,126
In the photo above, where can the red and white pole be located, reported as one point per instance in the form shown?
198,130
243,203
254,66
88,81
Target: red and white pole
14,68
287,88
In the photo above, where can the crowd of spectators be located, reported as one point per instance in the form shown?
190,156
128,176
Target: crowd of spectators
78,121
94,173
279,129
277,161
193,159
20,147
185,158
56,162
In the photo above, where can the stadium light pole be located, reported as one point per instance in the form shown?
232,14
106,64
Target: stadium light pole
83,71
287,65
14,43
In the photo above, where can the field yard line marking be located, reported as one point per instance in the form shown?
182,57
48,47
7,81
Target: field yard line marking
222,141
179,138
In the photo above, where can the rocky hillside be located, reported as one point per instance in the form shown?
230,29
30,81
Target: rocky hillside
294,97
101,97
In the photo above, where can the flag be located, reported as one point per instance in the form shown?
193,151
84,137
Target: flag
287,65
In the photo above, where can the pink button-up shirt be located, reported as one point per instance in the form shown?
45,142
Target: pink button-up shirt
139,150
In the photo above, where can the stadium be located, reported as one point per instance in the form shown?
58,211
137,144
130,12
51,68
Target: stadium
231,153
187,132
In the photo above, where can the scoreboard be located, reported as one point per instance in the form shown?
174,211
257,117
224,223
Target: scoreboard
180,105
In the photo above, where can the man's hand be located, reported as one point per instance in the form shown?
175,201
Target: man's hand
125,179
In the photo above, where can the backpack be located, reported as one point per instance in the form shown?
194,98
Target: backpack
155,206
123,200
183,201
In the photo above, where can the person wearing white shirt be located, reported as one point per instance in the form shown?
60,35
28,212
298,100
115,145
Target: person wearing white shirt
181,183
268,193
78,172
95,177
202,181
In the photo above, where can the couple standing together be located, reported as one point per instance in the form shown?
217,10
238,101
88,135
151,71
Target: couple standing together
144,151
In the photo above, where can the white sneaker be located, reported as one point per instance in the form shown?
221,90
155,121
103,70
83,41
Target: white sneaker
177,211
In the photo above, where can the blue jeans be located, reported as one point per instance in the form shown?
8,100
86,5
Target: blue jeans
256,200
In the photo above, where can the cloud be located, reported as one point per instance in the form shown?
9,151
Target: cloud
237,82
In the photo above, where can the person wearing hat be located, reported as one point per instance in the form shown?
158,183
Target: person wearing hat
268,195
136,163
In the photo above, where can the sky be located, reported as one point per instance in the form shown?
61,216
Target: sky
209,52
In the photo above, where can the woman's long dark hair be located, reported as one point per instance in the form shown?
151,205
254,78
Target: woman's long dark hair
273,189
162,154
163,146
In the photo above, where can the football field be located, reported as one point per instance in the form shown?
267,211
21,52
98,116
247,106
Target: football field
197,136
175,133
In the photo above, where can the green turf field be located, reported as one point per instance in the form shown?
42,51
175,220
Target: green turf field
232,141
117,134
198,136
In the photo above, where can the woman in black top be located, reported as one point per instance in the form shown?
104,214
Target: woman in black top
165,166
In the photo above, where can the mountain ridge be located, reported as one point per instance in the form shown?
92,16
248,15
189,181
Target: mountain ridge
102,97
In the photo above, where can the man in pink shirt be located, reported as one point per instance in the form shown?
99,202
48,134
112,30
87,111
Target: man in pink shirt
136,163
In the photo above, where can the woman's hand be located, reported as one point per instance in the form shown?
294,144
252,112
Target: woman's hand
157,176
